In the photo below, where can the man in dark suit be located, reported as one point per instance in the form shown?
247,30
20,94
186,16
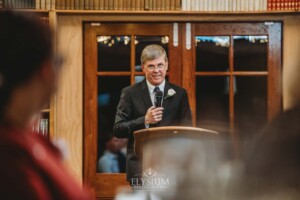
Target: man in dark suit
136,108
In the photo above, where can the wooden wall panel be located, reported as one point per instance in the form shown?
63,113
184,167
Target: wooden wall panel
69,107
69,101
291,61
53,26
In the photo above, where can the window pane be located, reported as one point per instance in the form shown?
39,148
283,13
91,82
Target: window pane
213,103
250,104
212,53
142,41
250,53
113,53
138,79
109,91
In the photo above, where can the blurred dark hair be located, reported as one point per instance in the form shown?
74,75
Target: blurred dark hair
25,43
274,156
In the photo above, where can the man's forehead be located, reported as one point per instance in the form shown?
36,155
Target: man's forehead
156,61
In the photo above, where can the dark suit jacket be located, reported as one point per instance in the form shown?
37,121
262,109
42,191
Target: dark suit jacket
134,103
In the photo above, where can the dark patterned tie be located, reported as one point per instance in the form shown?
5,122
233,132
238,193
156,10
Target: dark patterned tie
156,89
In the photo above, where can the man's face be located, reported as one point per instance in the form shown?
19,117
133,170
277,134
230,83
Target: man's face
113,145
155,70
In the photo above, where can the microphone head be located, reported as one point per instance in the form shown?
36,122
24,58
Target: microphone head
158,98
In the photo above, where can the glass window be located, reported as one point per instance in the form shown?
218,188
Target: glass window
111,151
138,79
212,102
250,53
212,53
142,41
113,53
250,104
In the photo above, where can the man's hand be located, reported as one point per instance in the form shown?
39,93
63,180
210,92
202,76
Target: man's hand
154,115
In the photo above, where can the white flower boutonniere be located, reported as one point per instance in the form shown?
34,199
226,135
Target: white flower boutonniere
171,93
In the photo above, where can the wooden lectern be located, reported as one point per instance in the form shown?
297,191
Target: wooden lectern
146,135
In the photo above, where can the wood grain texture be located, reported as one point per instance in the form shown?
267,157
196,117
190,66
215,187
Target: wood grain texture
114,182
147,135
90,107
175,61
52,117
189,66
185,13
236,73
132,60
235,137
231,88
275,69
69,120
291,62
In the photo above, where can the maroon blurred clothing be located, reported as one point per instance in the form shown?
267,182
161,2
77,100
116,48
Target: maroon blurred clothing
31,168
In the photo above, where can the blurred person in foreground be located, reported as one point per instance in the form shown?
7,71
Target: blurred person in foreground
187,168
199,169
272,160
30,166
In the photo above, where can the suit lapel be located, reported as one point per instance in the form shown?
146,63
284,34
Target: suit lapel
146,95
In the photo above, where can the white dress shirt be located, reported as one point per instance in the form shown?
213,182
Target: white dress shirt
152,87
108,163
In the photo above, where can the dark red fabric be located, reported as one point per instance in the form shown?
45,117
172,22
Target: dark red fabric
31,168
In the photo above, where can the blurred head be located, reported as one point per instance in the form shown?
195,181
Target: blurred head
113,144
27,70
273,160
154,62
194,171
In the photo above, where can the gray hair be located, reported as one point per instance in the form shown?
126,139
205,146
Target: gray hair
152,52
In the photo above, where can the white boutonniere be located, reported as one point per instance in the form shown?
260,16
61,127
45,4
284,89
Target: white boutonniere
171,93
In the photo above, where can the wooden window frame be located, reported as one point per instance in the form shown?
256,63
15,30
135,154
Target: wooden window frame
273,74
99,181
181,72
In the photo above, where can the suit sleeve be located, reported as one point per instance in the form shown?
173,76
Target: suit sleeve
124,124
185,112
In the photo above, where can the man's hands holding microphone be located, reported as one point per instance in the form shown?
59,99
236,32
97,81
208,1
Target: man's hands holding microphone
153,115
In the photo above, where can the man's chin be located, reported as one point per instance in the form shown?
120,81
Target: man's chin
156,82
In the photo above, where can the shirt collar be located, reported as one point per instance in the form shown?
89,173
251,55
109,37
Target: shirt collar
151,87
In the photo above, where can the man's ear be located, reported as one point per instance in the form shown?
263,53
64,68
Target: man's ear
143,67
167,66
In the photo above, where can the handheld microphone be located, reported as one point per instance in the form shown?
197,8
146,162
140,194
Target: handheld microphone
158,98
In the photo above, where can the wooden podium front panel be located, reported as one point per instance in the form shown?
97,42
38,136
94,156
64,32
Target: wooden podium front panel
143,136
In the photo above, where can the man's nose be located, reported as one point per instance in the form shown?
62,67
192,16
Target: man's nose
156,69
